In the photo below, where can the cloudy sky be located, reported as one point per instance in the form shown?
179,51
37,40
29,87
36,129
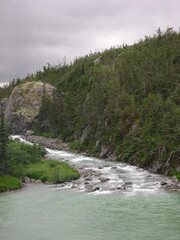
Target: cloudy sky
36,32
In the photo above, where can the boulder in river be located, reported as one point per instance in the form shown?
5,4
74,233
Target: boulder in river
104,179
90,188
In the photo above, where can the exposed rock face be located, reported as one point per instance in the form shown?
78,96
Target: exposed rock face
97,60
84,134
22,107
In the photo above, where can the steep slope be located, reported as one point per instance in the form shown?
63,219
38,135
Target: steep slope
123,102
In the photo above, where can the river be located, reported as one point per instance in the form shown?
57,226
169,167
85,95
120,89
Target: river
129,205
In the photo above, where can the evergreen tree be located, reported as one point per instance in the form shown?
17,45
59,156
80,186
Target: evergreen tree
127,98
3,143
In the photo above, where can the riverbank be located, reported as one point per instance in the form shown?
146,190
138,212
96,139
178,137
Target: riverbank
46,171
172,185
8,183
53,143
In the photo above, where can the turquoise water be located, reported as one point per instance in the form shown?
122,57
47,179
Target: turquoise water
138,210
40,212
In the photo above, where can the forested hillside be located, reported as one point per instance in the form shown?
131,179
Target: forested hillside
122,102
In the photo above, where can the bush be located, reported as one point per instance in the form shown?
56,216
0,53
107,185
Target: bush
20,154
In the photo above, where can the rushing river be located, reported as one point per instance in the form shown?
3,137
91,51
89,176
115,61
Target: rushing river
129,204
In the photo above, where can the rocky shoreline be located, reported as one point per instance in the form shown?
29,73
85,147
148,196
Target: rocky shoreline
52,143
171,185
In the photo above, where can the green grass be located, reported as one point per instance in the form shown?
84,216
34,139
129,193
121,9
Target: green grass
52,171
9,183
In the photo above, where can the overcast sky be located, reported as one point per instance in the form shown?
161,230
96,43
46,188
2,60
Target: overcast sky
36,32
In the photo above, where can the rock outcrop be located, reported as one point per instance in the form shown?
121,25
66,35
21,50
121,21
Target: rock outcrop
22,107
53,143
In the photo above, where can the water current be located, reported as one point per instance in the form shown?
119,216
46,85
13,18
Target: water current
129,204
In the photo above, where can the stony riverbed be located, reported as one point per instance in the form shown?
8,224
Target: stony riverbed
102,176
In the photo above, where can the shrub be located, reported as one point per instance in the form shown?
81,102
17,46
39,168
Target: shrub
20,154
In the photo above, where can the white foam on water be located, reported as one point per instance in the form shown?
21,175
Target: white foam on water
77,159
100,192
14,137
59,153
133,179
59,186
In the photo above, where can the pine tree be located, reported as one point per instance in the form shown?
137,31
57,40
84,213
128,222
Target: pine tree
3,143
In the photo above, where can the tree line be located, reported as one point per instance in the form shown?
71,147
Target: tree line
125,98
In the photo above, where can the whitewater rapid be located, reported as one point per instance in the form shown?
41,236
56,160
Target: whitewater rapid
103,177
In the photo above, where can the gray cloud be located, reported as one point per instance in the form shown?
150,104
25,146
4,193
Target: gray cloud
33,33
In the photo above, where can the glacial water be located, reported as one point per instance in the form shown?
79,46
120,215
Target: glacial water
130,205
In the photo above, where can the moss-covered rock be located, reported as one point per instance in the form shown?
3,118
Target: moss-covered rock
22,107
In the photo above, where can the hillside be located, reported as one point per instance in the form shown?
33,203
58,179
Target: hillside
122,102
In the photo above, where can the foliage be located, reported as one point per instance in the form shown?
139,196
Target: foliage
20,155
3,143
9,183
52,171
127,96
176,173
76,145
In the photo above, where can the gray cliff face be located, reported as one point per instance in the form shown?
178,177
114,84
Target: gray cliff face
22,107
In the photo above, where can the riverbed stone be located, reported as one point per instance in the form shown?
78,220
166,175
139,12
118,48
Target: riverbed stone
97,174
89,188
104,179
27,180
100,167
38,181
113,167
88,179
128,183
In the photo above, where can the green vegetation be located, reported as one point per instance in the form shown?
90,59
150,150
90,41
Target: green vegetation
9,183
125,99
176,173
26,160
20,155
19,160
52,171
15,158
3,144
76,145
